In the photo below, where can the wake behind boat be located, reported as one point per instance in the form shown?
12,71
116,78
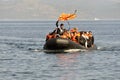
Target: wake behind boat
63,40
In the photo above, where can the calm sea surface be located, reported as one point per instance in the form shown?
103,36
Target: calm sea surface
22,58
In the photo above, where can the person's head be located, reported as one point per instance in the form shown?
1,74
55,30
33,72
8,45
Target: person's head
90,32
75,29
61,26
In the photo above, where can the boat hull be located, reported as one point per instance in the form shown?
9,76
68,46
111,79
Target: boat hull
63,45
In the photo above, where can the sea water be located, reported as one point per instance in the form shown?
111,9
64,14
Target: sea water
22,56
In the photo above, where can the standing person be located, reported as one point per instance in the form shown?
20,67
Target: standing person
60,29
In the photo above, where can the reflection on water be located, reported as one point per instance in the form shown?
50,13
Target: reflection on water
67,59
68,64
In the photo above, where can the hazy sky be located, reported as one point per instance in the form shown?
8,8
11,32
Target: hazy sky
51,9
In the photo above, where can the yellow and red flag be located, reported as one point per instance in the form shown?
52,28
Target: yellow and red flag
64,16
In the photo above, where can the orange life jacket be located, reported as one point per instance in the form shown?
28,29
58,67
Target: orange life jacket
73,37
64,36
48,37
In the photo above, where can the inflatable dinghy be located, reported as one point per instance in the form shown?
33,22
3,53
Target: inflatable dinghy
64,45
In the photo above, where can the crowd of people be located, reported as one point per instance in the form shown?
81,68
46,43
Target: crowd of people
84,38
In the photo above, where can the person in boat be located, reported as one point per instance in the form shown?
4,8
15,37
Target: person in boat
91,39
86,39
50,35
75,35
83,39
59,29
66,35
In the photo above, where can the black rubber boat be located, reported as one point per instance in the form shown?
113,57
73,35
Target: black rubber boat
67,40
64,45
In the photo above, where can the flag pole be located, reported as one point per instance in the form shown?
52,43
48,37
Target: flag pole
68,21
68,25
